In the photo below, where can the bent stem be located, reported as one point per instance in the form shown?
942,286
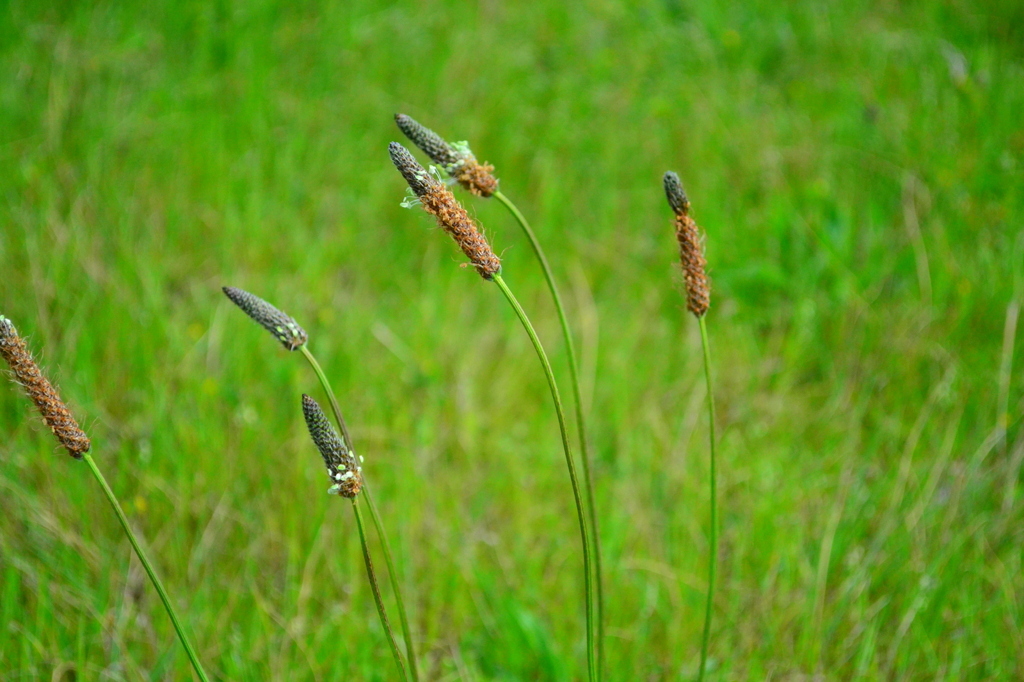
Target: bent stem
330,394
378,526
588,480
577,496
393,579
148,566
713,559
376,591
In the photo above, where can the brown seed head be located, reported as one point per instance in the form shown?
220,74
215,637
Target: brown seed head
41,391
438,201
476,177
456,159
691,253
282,326
345,473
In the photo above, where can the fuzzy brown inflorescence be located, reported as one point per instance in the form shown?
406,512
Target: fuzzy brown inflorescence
691,253
478,178
456,159
345,473
438,201
282,326
41,391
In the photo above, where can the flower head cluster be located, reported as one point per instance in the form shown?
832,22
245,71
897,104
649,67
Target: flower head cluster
691,252
438,200
456,158
282,326
345,473
27,373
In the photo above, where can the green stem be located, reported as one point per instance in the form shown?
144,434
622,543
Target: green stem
393,578
392,573
330,394
713,558
588,479
577,496
376,591
148,566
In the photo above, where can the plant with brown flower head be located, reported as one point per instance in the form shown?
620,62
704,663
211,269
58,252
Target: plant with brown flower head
456,158
27,373
698,299
64,426
446,155
691,252
437,200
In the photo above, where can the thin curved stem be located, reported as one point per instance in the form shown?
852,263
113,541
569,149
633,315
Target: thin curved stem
330,394
148,566
371,576
713,558
374,516
588,478
393,579
577,496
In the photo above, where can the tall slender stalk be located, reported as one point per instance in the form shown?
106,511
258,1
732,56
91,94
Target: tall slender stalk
698,300
713,558
293,337
566,447
436,199
68,433
347,481
374,516
376,591
192,657
574,375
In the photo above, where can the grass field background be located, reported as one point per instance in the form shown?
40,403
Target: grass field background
859,171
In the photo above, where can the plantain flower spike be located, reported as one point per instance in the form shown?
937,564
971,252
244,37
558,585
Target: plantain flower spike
456,159
438,201
345,473
691,252
282,326
27,373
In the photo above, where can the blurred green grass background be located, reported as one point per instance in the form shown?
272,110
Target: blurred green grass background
859,171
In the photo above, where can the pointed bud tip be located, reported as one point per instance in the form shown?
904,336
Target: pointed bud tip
419,180
284,328
310,407
676,194
409,127
400,155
